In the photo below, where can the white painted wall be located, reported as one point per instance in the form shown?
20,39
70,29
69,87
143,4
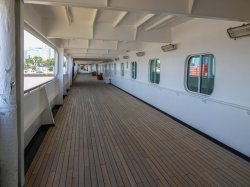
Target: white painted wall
225,115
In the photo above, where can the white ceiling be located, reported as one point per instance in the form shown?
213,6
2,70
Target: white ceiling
109,28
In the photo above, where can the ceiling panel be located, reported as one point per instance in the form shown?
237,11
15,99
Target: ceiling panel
51,12
82,14
102,44
132,18
107,16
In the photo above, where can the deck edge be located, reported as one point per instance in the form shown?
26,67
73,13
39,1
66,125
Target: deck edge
230,149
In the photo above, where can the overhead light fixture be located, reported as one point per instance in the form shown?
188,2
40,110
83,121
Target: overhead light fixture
240,31
125,57
116,59
169,47
139,54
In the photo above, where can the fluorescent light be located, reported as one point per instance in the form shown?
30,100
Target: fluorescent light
139,54
241,31
168,47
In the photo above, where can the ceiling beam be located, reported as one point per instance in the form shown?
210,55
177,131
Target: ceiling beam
69,14
173,22
157,23
144,20
119,18
93,21
190,6
72,3
94,16
107,2
234,10
150,6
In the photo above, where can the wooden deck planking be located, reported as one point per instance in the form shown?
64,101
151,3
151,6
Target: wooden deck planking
104,137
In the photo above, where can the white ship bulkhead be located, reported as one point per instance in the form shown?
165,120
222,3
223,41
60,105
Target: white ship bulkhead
143,47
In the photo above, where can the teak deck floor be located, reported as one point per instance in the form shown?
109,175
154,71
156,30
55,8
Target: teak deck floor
105,137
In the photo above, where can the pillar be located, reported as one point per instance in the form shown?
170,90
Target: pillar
69,70
97,73
19,22
76,69
60,76
8,100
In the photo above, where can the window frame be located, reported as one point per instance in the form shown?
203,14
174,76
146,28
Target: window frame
134,78
186,73
45,40
149,72
122,69
115,70
106,69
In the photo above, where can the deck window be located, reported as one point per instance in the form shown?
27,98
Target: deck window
155,69
106,69
201,73
122,69
102,68
134,70
115,68
109,69
39,62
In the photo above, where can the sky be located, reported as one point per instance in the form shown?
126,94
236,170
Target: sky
31,42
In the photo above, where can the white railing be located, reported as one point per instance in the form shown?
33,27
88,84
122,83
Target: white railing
38,103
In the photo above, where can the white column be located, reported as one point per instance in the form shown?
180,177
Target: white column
60,75
69,70
8,105
71,73
76,70
20,87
